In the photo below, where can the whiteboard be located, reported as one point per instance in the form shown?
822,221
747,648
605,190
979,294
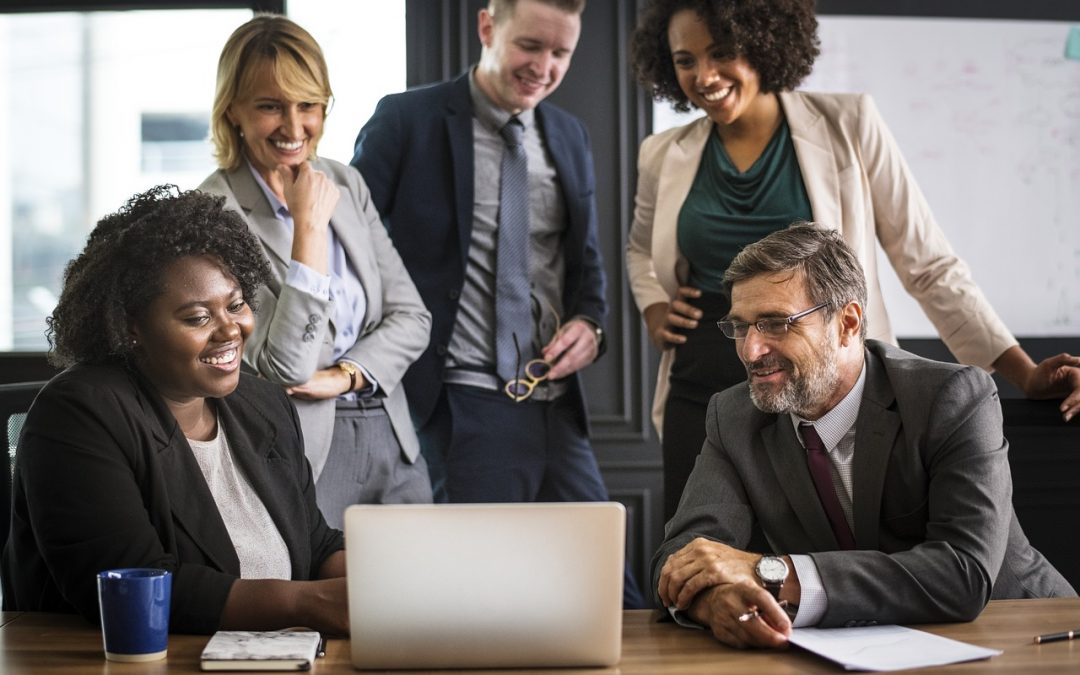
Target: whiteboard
987,114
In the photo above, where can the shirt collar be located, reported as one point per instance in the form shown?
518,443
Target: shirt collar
279,209
489,114
832,426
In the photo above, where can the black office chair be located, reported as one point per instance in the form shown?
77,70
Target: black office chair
15,400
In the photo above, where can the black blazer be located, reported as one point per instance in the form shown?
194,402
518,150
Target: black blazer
104,478
416,155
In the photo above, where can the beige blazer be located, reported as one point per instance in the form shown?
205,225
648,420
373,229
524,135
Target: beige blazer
294,335
857,182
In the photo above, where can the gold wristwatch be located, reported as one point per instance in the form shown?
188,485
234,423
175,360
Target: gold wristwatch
351,370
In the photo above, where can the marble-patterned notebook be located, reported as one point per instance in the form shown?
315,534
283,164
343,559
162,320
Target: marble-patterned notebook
261,650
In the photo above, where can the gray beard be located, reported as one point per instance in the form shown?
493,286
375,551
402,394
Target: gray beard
803,393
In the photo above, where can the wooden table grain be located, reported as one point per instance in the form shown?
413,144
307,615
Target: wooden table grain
55,644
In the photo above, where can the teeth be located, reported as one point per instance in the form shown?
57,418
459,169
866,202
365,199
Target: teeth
227,357
715,96
283,145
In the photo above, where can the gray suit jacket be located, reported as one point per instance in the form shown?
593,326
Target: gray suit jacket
935,529
294,334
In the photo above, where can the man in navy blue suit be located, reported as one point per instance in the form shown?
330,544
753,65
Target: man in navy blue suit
433,160
432,157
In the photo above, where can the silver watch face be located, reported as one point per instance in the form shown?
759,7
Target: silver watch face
772,569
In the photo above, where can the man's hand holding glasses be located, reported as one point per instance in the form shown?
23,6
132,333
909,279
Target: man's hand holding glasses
573,347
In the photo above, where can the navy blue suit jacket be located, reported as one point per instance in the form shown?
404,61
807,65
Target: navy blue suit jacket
416,155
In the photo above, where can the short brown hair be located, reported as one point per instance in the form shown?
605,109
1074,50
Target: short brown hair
832,273
299,69
502,8
778,38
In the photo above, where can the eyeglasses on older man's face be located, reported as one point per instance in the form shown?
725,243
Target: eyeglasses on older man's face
771,327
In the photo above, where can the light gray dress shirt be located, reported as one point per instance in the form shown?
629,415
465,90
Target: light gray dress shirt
837,431
472,343
342,285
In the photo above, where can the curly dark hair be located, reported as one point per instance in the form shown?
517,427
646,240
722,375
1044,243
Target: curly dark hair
119,273
778,38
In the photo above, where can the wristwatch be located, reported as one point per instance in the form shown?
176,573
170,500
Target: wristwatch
772,571
351,371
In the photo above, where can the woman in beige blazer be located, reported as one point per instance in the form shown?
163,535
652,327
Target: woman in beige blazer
762,157
341,321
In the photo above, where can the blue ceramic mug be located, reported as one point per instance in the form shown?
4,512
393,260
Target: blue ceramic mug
135,613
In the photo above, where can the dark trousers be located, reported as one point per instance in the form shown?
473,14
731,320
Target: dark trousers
705,364
484,447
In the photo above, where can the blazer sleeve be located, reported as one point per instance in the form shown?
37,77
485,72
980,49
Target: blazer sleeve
401,334
94,501
640,266
714,505
291,324
591,296
968,511
377,155
922,257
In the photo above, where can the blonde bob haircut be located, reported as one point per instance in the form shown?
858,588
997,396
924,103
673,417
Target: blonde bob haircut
298,67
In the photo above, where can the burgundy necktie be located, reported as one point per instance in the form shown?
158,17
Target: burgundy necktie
820,470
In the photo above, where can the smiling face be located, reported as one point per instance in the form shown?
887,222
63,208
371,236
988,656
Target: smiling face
190,338
723,86
802,371
276,128
525,54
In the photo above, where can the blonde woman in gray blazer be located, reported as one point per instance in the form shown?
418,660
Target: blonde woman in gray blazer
341,321
762,157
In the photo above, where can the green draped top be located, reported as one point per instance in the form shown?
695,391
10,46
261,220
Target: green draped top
727,209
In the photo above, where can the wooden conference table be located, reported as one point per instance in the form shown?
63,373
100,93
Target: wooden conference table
47,644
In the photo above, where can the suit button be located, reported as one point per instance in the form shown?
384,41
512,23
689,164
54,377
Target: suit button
308,337
454,294
440,350
314,318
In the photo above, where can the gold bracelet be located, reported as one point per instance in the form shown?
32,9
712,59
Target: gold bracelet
349,369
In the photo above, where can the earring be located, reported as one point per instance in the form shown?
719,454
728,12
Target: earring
134,343
240,131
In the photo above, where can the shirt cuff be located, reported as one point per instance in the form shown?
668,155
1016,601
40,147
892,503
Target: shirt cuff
680,617
371,387
812,602
303,278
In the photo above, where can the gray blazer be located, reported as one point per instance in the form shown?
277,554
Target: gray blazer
935,529
294,335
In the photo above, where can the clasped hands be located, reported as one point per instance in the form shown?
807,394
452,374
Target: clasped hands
715,584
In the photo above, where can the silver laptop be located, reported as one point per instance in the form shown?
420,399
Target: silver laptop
485,585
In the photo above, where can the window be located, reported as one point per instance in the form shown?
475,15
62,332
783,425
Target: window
96,106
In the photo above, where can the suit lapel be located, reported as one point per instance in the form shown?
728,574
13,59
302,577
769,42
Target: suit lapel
353,236
192,505
251,441
275,237
876,430
788,460
459,120
813,148
676,174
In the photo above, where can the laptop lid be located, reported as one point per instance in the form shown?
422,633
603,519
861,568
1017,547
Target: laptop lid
485,585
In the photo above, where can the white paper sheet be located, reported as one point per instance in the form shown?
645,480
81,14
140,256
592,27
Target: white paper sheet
883,648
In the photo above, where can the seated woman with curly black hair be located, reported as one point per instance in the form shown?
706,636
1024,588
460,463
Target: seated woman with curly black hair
152,449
